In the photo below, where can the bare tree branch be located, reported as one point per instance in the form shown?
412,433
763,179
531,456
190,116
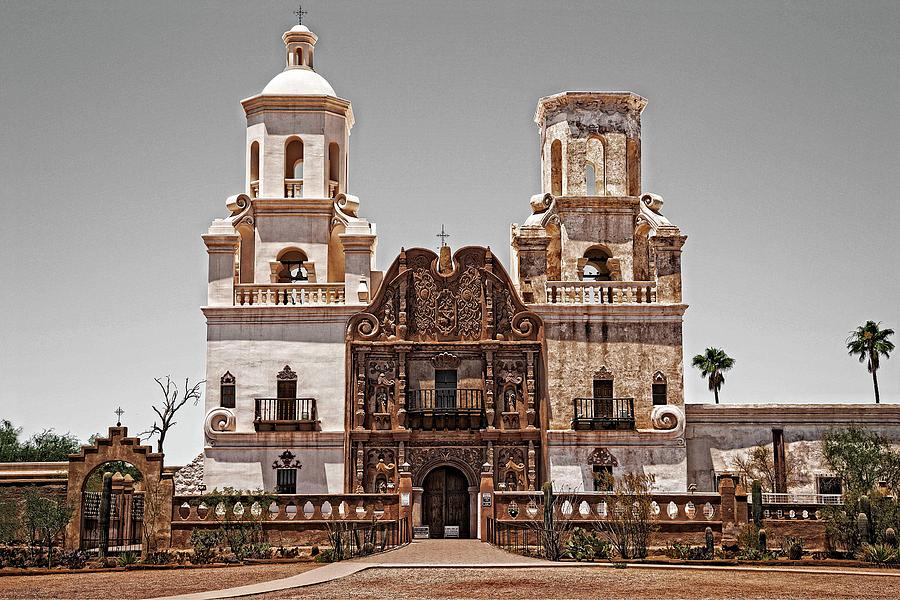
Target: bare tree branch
170,405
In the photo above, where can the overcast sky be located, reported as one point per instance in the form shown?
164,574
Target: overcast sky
772,132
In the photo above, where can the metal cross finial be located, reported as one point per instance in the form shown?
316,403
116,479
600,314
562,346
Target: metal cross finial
119,412
300,12
443,236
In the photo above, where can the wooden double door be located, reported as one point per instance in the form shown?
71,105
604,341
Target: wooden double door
445,501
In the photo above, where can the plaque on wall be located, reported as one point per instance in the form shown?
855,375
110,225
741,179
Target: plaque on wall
404,498
486,500
451,531
422,533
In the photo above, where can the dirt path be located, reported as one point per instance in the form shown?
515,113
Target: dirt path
141,584
595,583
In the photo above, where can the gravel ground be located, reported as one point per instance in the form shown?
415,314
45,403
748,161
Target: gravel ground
141,584
595,583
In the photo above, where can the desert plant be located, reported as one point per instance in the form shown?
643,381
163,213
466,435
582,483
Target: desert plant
45,518
681,551
792,547
205,543
890,537
159,557
557,521
582,545
710,542
127,559
762,540
879,554
629,525
756,491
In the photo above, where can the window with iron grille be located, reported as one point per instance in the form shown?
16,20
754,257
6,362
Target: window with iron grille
829,484
660,394
226,391
286,481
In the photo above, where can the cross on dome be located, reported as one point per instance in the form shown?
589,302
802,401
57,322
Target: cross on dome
443,236
300,12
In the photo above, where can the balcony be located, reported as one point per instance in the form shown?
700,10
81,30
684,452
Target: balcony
450,408
603,413
288,294
293,188
601,292
286,414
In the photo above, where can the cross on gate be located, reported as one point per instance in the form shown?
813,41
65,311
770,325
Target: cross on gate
300,12
443,236
119,412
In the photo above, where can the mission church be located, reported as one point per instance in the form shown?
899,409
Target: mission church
326,375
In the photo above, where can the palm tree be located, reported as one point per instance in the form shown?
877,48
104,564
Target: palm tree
869,342
712,364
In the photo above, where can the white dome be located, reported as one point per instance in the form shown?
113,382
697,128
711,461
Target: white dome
298,82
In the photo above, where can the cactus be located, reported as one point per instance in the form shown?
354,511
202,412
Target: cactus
710,543
862,526
757,503
890,537
762,540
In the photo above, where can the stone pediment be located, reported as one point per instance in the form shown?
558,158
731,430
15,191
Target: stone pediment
470,299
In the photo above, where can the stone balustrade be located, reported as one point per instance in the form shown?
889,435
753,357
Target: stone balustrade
601,292
299,508
333,188
254,188
675,508
293,188
288,294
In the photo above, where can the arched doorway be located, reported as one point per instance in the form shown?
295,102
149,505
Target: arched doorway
445,501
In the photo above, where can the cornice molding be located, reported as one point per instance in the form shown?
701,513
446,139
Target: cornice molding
812,414
263,103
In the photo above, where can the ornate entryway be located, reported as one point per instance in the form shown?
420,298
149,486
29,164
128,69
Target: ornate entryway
445,501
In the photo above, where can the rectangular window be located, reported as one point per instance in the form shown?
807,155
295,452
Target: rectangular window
286,481
660,394
828,484
227,395
603,478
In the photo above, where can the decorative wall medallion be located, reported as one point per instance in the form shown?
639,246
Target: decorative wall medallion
286,374
286,461
445,360
445,312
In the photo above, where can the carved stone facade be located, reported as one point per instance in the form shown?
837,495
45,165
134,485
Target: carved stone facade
462,359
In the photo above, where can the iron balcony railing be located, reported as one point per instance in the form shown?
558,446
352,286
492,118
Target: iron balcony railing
603,413
445,401
286,411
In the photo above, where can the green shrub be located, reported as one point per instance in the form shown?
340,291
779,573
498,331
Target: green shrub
160,557
76,559
325,556
314,551
681,551
583,545
205,543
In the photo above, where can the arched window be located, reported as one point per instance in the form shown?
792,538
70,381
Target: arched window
292,268
293,159
298,57
334,169
226,390
660,390
254,169
596,268
556,168
595,155
590,180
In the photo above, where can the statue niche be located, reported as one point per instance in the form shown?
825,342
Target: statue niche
382,381
510,385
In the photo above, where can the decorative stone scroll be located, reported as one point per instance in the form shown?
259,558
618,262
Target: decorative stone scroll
474,301
667,417
445,360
